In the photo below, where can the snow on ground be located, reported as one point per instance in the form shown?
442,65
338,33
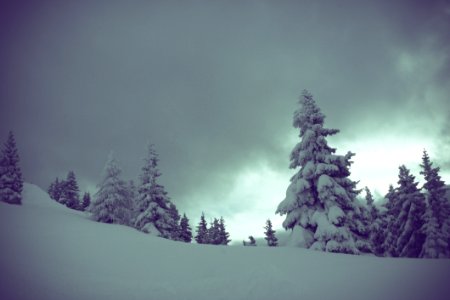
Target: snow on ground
51,252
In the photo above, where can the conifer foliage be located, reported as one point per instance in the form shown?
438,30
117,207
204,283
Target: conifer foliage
406,206
156,213
202,231
86,201
111,204
320,196
216,234
271,239
436,217
70,194
55,190
11,182
185,230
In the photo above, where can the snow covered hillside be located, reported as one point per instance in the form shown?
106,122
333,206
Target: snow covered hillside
52,252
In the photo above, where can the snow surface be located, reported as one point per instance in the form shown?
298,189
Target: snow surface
52,252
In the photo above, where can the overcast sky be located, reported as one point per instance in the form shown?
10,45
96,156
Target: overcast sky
213,84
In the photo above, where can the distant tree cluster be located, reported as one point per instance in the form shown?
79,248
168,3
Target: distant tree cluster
67,193
11,182
414,221
321,202
146,207
216,234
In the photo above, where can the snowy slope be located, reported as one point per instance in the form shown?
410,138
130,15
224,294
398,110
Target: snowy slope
51,252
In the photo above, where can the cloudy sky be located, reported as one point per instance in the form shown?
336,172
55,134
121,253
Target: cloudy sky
213,84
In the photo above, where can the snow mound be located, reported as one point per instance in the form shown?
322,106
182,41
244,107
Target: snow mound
52,252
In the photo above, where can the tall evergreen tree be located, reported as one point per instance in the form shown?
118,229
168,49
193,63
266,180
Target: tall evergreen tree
405,236
321,195
271,239
111,204
156,211
11,182
223,234
437,214
70,194
390,232
185,230
202,231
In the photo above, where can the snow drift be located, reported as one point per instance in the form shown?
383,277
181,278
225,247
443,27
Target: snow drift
52,252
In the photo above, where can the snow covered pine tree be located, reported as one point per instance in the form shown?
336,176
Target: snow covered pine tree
11,182
111,204
404,237
321,196
437,214
157,214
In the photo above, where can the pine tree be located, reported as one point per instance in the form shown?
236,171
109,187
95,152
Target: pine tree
390,231
185,230
370,204
70,195
86,201
436,217
56,189
214,237
11,182
111,204
405,238
374,225
360,226
223,234
156,211
320,196
271,239
202,231
175,230
251,242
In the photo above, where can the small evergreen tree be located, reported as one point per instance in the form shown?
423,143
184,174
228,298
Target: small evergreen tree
202,231
185,230
251,241
70,194
11,182
271,239
56,189
214,236
111,204
436,216
86,201
369,197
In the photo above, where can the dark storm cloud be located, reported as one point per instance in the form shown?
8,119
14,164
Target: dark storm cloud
213,85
